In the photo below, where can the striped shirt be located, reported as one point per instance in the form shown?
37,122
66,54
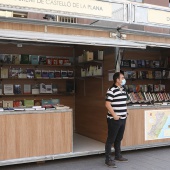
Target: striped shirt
117,96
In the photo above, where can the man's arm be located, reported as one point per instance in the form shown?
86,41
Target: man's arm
110,109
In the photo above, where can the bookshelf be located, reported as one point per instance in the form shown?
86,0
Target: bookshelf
145,76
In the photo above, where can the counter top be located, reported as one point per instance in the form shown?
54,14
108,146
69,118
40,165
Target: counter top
149,107
35,111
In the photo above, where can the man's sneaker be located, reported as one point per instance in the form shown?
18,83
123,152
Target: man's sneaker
110,163
121,159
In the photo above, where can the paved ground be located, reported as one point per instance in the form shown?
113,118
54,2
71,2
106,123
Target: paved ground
148,159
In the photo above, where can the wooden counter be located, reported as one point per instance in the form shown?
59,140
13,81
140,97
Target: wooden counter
36,133
135,128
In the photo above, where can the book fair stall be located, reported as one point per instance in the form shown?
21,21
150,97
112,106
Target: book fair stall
57,63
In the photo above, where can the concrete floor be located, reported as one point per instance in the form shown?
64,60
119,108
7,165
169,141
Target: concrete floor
148,159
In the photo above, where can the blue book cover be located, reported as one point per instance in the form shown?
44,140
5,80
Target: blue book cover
34,59
51,74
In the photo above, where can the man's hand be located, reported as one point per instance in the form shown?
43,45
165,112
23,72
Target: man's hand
115,117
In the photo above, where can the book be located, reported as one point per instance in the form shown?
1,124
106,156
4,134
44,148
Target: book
4,72
55,102
64,73
165,74
7,104
150,87
35,88
17,89
46,103
25,59
130,74
156,63
30,73
54,61
2,58
51,73
125,63
28,103
8,89
157,75
13,72
16,58
48,88
70,73
57,74
34,59
37,102
162,87
42,60
49,60
22,73
156,88
38,73
27,88
143,74
44,74
18,103
8,59
139,63
42,88
0,89
54,88
150,74
133,63
147,63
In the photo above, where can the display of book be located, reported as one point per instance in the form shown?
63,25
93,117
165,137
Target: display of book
4,72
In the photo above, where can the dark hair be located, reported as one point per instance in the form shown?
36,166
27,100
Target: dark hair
116,76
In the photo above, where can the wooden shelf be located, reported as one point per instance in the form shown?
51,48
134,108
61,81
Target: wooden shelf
34,65
59,78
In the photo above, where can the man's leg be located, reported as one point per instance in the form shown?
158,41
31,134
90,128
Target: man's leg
113,128
119,137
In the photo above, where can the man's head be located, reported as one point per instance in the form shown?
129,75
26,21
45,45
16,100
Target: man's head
118,79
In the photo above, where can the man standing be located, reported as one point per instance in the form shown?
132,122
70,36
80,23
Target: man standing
116,119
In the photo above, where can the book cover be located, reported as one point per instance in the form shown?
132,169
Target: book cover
8,59
34,59
28,103
55,102
0,89
42,88
44,74
54,61
48,88
125,63
42,60
4,72
139,63
37,102
25,59
30,73
165,74
8,89
22,73
38,73
35,88
13,72
49,60
70,73
64,73
54,88
2,58
156,63
150,75
16,58
27,88
57,74
143,63
150,87
143,74
7,104
51,74
46,103
18,103
158,74
17,89
133,63
162,87
156,88
147,63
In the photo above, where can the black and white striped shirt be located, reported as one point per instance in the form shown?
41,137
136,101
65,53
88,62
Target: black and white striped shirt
117,96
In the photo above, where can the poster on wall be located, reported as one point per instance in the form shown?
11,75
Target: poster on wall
157,124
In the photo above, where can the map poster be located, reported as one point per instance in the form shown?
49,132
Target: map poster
157,124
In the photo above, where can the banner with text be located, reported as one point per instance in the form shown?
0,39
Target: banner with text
88,7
